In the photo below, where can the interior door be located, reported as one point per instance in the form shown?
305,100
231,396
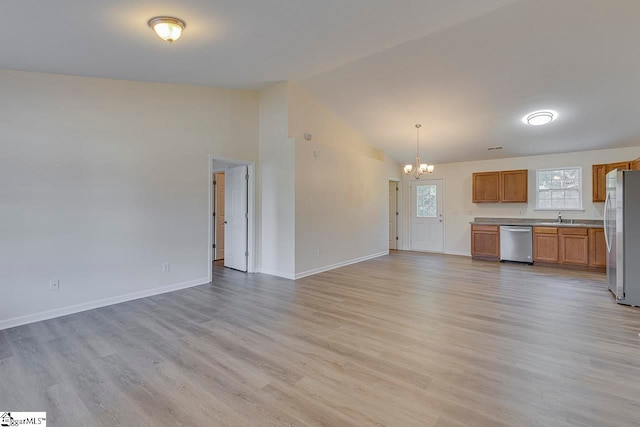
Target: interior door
236,222
427,216
219,216
393,215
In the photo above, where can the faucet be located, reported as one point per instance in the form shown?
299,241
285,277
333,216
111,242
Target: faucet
559,217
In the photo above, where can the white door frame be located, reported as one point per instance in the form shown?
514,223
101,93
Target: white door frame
413,182
251,235
398,182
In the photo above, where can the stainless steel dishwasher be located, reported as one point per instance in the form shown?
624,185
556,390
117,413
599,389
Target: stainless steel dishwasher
516,244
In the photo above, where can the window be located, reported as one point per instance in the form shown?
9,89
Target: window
426,201
559,189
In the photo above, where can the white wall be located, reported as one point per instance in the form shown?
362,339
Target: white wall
308,115
459,210
101,181
277,184
342,193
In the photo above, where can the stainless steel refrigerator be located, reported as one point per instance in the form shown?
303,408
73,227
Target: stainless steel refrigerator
622,235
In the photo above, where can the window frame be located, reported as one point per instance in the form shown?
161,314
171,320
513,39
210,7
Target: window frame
580,189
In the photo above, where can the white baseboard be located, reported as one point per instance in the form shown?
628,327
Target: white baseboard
339,264
459,253
276,273
50,314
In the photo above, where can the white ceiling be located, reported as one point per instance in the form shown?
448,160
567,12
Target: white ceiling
468,70
229,43
471,84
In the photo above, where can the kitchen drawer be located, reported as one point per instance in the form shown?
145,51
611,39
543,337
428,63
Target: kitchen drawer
574,231
477,227
545,230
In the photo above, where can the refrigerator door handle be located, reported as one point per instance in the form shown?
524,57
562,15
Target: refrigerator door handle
606,223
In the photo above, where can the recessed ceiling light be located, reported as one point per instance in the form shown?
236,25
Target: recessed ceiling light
167,28
539,118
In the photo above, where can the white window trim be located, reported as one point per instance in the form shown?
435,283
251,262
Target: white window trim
580,209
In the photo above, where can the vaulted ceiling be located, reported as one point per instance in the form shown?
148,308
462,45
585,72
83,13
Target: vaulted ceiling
468,70
229,43
471,84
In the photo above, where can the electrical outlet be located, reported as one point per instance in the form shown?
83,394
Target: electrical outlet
166,267
318,252
54,285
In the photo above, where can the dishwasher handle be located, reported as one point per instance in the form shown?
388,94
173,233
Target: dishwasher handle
518,230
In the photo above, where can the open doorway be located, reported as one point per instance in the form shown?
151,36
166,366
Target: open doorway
218,217
231,215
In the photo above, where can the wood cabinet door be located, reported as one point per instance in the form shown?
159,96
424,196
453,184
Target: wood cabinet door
545,246
485,241
597,248
635,165
599,185
486,187
514,186
574,246
623,166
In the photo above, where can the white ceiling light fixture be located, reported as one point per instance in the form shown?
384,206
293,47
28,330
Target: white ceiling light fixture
419,168
540,118
167,28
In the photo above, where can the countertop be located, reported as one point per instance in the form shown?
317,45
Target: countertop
539,222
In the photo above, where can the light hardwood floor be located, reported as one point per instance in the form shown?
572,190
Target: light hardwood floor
402,340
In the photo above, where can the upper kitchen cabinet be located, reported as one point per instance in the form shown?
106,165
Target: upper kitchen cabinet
486,187
514,186
599,174
500,186
623,166
635,165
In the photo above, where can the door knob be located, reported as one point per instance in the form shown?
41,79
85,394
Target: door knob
225,222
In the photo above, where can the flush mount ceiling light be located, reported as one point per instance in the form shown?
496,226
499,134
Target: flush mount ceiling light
419,168
540,118
167,28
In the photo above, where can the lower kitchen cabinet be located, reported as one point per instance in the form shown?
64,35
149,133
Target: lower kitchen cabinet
574,246
545,244
597,248
571,246
485,242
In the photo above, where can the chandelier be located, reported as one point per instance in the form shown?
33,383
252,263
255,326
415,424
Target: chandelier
418,169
